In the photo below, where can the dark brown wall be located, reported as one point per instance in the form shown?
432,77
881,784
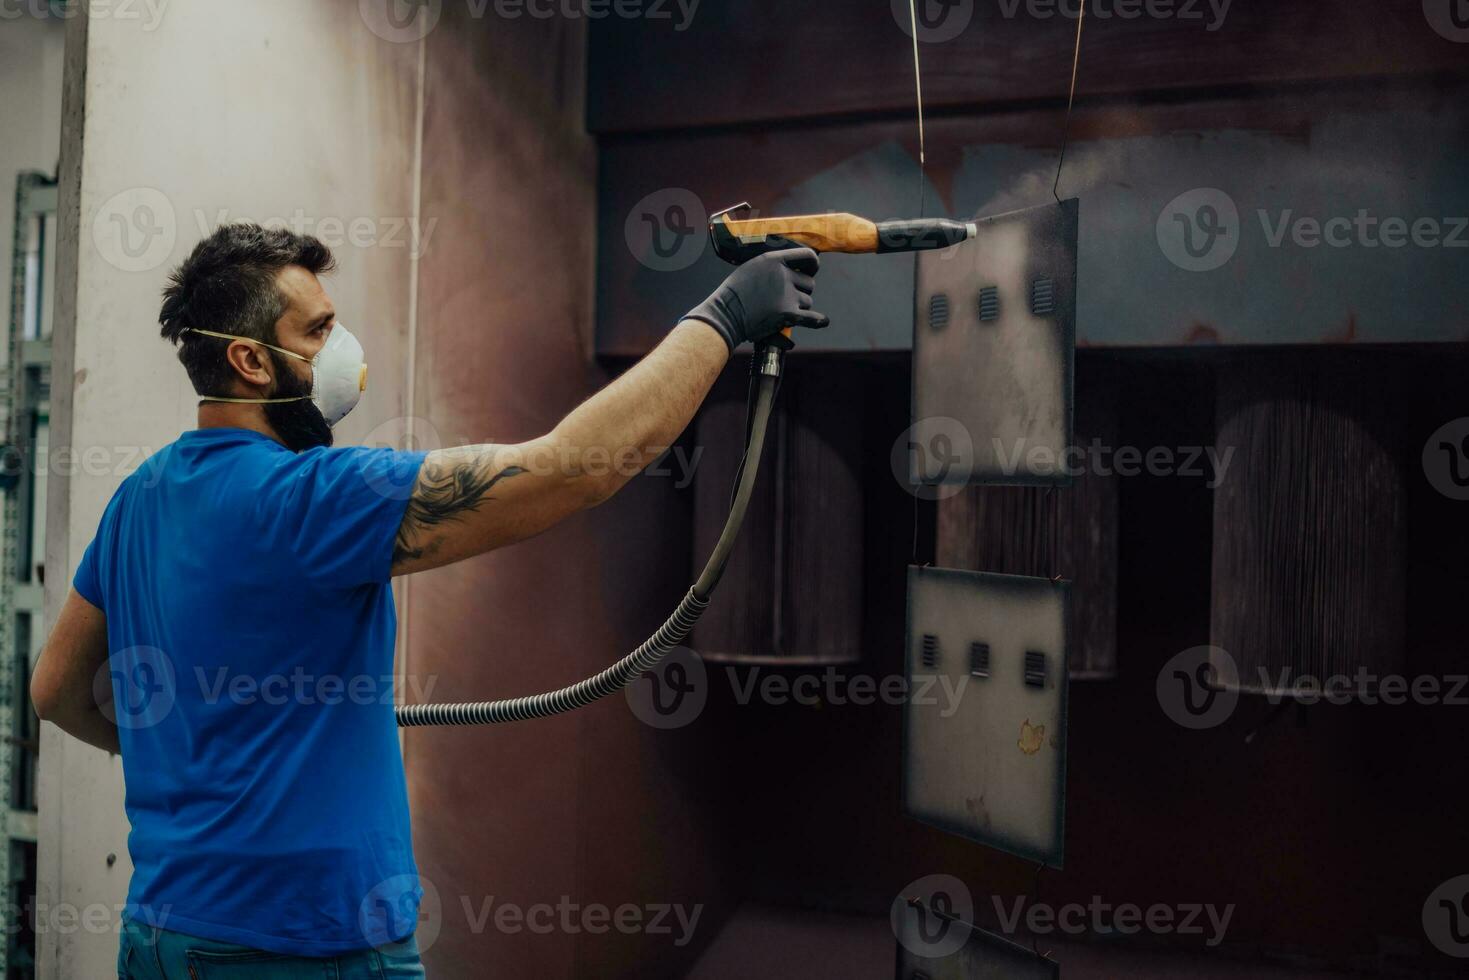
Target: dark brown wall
594,806
745,61
1327,827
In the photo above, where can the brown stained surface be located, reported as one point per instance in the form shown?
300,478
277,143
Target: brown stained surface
1348,333
593,807
857,58
1032,737
1203,333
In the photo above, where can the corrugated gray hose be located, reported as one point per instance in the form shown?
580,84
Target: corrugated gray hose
668,636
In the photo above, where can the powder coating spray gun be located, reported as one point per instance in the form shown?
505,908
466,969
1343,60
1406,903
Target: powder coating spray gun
736,241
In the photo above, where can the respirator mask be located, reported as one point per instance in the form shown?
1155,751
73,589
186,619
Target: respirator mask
338,378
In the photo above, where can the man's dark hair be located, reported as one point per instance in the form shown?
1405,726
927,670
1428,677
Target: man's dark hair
227,284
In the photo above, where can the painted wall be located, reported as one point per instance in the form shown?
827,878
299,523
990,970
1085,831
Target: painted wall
594,808
198,113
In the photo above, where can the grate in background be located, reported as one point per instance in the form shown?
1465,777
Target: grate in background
1310,522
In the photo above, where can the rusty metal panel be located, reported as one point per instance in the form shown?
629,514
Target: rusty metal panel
984,744
994,341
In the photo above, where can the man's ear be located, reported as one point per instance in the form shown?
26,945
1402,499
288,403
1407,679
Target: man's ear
250,363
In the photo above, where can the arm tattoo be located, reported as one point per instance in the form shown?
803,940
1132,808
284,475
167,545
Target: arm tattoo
445,491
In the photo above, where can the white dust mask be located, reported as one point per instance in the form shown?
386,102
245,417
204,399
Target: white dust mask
338,373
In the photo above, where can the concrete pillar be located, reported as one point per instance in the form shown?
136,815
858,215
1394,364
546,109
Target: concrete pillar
177,117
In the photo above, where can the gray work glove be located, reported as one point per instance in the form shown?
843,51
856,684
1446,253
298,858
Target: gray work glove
766,294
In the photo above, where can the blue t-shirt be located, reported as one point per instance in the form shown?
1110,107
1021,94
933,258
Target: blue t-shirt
250,630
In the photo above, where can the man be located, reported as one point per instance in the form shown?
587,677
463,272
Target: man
238,589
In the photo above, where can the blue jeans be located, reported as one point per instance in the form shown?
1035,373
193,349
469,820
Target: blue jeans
149,953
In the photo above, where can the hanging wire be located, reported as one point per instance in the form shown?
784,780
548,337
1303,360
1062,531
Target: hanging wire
1070,101
913,560
1035,939
918,86
922,193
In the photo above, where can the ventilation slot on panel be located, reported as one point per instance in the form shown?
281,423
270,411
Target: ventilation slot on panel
938,311
1035,669
989,303
930,655
1043,296
979,659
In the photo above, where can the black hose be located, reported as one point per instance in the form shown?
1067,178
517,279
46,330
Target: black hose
661,643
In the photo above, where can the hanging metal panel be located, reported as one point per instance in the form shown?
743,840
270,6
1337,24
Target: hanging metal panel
994,340
984,746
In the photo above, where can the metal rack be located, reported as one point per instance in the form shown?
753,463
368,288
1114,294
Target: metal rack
26,406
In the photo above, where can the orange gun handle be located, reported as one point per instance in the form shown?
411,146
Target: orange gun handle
780,340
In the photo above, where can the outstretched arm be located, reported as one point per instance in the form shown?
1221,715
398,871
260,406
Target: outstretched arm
473,499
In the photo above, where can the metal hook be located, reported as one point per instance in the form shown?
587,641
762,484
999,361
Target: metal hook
743,205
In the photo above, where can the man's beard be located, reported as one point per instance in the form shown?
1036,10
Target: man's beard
300,424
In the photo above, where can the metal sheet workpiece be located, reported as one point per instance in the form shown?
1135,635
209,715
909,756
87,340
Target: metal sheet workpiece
994,342
925,952
984,727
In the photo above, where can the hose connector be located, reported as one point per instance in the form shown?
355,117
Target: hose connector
767,361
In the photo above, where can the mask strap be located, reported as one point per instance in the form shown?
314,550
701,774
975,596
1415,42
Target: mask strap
254,401
250,340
